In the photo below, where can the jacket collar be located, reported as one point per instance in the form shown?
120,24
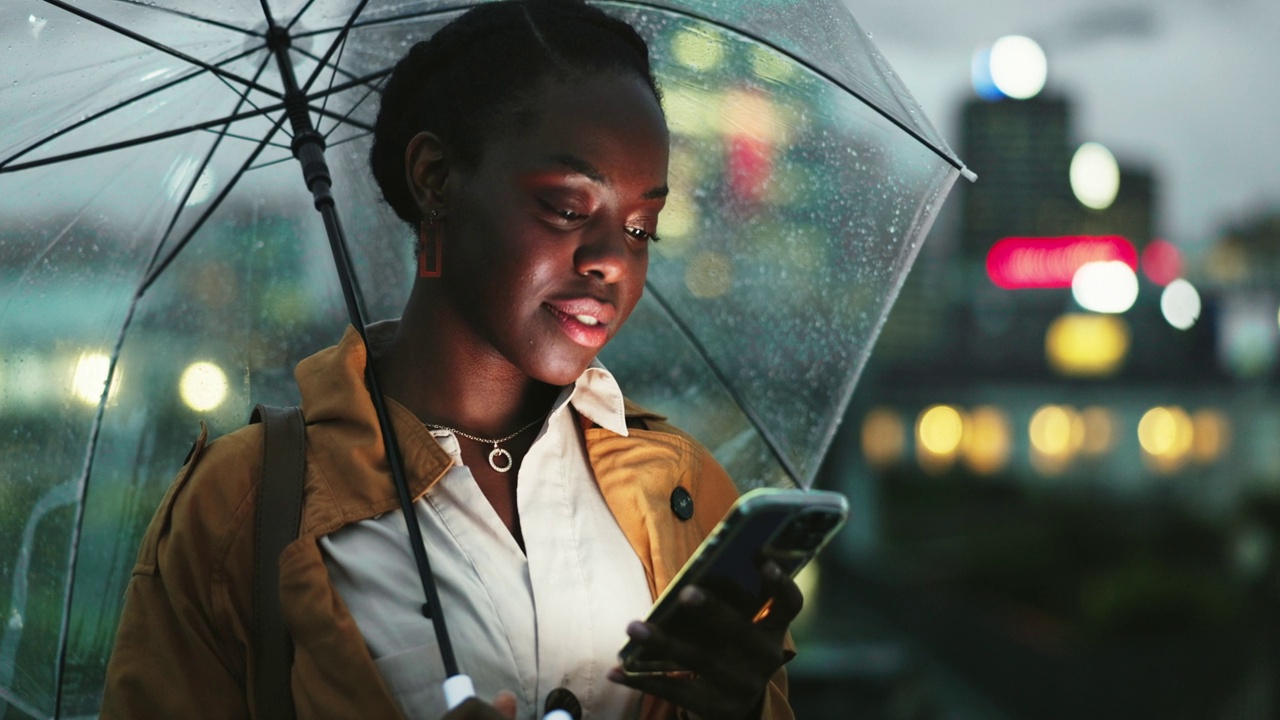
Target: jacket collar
349,461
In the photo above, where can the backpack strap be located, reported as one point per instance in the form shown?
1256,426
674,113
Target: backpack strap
277,519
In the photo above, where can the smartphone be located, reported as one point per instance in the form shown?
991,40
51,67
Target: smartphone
788,527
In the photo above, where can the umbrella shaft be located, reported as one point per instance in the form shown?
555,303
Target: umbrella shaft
308,147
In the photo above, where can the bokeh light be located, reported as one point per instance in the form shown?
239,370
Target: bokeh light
1086,345
90,377
1057,433
1161,262
980,71
940,429
203,386
697,49
1166,435
1099,431
1212,435
883,437
709,274
1105,287
1053,431
1095,176
1180,304
1018,67
1052,262
987,440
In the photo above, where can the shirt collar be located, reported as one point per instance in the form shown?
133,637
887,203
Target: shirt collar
597,397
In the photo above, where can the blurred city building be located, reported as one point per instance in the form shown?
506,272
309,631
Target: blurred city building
1062,454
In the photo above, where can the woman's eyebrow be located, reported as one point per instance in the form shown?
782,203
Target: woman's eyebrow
591,172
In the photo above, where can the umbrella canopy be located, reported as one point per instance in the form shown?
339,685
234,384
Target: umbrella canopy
161,261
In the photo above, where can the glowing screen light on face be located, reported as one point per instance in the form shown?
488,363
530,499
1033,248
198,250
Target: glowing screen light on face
1016,263
1105,287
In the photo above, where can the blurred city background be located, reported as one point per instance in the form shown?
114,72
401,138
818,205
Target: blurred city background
1064,454
1062,457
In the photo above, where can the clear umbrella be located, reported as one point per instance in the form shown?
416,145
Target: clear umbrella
182,271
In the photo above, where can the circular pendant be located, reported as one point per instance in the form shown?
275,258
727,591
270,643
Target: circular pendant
497,454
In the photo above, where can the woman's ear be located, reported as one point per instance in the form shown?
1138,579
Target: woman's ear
426,171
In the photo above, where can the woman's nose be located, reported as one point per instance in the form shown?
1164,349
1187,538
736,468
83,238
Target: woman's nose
603,254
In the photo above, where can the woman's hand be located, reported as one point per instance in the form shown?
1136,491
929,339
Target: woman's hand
729,658
503,708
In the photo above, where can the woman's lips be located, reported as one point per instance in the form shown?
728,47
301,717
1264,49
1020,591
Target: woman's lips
584,320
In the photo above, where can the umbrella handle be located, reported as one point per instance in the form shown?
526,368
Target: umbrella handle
457,689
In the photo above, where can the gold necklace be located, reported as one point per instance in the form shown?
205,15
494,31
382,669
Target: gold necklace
497,452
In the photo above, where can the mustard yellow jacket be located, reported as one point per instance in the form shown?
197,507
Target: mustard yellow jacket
184,647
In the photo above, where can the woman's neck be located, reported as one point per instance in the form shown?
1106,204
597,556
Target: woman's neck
444,375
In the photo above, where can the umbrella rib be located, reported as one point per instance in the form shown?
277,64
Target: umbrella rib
333,46
954,162
374,22
223,74
266,13
159,267
298,16
310,55
195,72
333,75
246,138
132,142
346,117
191,16
208,158
770,440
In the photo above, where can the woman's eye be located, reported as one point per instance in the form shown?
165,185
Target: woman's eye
561,213
642,234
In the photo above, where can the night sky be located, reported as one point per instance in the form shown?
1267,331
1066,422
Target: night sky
1187,88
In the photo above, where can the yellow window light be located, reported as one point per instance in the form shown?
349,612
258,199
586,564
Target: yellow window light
987,440
1211,435
1166,435
940,429
1099,431
1087,345
883,437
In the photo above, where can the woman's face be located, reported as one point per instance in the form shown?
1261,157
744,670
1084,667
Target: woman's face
547,238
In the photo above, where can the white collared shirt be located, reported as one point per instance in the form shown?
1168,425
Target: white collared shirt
529,622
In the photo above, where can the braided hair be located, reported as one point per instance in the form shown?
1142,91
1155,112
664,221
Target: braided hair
478,74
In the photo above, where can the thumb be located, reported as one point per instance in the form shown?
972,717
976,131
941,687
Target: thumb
505,703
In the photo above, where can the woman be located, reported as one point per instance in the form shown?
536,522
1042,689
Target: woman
526,144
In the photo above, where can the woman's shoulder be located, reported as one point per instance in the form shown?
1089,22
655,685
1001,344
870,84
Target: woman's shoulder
210,500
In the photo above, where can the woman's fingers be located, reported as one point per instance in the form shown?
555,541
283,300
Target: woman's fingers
785,599
505,703
693,692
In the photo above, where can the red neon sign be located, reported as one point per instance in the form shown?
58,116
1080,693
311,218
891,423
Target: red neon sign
1050,262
